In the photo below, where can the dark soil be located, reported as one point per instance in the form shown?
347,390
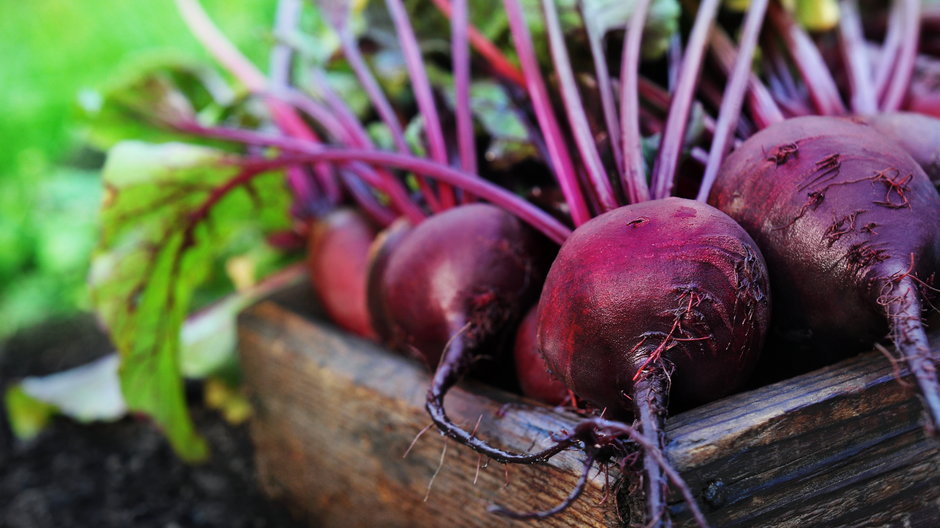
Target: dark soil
120,474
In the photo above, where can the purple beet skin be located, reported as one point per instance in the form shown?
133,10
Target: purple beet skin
664,298
850,227
451,287
669,286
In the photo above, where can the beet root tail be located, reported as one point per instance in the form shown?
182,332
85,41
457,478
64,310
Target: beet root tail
573,496
455,362
910,339
650,406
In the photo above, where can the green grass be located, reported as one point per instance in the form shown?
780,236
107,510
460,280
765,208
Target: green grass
54,51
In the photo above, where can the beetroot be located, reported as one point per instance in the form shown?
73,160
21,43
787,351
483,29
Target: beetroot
850,227
381,249
657,299
337,257
535,380
454,284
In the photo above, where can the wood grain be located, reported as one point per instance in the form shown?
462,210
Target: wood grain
841,446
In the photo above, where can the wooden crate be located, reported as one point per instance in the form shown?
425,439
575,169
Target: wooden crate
841,446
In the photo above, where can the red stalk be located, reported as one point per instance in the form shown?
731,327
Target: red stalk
421,88
494,57
555,141
633,172
461,64
594,170
900,81
763,109
346,132
220,47
664,169
889,50
674,59
816,76
855,55
605,90
734,96
381,103
307,153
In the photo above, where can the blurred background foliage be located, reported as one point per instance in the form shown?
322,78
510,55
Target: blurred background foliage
57,55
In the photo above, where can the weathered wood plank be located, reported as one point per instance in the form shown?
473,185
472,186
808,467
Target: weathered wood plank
335,414
841,446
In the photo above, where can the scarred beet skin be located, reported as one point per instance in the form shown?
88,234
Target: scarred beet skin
850,227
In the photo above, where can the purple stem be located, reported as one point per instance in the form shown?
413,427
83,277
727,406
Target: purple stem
343,113
421,87
659,98
674,60
764,110
699,155
855,55
222,49
554,139
577,119
664,170
282,56
346,132
364,197
281,66
890,49
307,153
633,174
381,103
733,98
371,86
606,91
783,86
459,23
822,87
904,65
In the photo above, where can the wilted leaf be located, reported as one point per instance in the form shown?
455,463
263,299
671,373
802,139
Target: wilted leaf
168,211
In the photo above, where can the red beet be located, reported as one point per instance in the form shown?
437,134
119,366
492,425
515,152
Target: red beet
382,248
657,299
534,378
454,284
337,257
850,227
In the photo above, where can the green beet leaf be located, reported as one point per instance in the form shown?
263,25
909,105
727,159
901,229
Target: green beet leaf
152,93
168,211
